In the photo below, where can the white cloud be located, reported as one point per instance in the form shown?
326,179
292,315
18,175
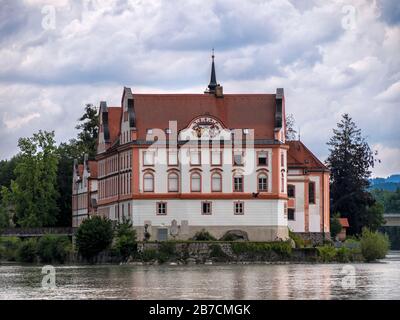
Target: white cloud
18,122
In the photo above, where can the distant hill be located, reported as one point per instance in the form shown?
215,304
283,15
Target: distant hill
390,183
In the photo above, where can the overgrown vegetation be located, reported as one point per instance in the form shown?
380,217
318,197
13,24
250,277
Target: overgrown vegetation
264,249
299,241
374,245
125,240
54,249
94,235
9,247
203,235
27,250
335,225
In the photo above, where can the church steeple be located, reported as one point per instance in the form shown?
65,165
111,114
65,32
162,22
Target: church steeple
214,87
213,79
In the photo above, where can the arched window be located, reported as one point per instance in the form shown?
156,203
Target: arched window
282,182
216,182
148,182
262,182
238,183
173,182
195,182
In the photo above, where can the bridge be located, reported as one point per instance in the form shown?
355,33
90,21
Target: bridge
36,232
392,219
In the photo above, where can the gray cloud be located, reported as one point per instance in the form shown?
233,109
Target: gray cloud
97,47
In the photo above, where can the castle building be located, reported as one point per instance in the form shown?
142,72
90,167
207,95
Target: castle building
175,164
84,191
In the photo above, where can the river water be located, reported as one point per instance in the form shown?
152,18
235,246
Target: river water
219,281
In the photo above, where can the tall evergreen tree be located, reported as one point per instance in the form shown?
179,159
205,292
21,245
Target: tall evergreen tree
350,161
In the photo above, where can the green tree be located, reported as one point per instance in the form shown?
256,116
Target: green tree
336,227
94,235
75,149
89,126
350,161
374,216
33,193
125,239
7,168
67,152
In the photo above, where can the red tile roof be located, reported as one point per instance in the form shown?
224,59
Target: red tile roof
256,111
299,156
114,122
93,169
80,170
344,222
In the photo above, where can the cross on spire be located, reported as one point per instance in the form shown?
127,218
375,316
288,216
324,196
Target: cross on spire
213,79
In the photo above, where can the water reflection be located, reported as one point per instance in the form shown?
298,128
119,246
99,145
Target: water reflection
300,281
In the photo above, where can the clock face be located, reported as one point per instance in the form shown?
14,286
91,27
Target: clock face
205,128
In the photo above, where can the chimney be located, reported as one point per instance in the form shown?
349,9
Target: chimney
219,92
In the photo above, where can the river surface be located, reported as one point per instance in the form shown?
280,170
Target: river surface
219,281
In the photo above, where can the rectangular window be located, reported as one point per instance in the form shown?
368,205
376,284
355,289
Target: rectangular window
172,157
238,184
216,158
311,192
238,207
206,207
291,191
148,158
161,208
290,214
262,159
238,158
282,160
195,158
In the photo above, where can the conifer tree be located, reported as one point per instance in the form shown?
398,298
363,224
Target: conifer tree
350,161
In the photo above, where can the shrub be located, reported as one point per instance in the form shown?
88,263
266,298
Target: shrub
93,236
203,235
125,241
229,237
299,242
282,248
217,252
53,248
9,247
327,253
26,251
149,255
343,254
336,227
374,245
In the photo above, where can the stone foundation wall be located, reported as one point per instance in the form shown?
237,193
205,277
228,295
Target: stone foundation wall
316,238
255,233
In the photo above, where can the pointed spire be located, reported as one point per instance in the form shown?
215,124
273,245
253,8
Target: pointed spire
213,79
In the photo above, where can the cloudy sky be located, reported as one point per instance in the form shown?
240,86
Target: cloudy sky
331,57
